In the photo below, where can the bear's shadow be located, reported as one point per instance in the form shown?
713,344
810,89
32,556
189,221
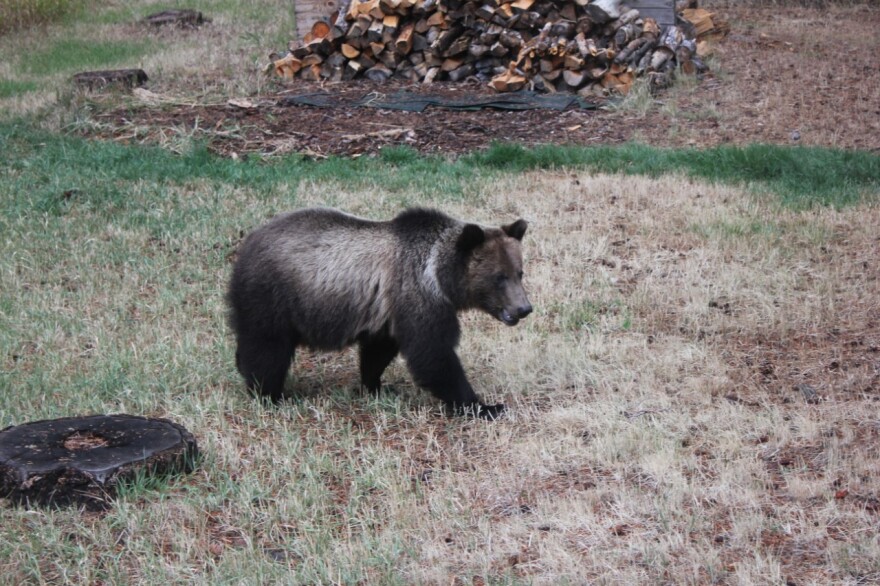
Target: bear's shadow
335,374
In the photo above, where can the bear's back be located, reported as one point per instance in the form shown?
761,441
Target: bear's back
325,274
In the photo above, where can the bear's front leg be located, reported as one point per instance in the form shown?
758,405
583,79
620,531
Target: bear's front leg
439,370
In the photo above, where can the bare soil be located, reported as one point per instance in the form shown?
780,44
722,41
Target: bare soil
783,76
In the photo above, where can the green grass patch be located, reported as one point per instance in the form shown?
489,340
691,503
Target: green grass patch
19,14
73,54
800,176
45,166
11,87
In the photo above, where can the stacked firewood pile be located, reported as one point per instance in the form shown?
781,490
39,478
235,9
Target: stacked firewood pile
591,47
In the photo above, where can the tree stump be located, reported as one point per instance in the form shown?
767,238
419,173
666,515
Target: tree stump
123,77
81,460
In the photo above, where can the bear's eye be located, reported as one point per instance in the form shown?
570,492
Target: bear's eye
520,275
500,278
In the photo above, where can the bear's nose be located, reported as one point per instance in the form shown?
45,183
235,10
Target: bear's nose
523,311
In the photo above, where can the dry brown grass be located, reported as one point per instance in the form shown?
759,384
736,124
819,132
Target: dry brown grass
658,451
648,440
693,401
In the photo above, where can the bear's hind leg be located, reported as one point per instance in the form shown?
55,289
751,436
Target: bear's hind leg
375,355
264,362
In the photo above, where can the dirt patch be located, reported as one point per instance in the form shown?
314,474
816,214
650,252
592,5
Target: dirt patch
782,76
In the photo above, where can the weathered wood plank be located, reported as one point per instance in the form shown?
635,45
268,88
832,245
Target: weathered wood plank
663,11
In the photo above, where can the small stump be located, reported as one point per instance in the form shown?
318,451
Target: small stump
185,18
120,77
81,460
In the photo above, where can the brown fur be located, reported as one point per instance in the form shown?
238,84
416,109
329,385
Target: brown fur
325,279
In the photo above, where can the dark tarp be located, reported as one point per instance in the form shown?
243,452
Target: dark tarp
523,100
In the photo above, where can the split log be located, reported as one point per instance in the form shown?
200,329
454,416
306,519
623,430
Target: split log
462,72
626,34
643,51
460,45
391,23
478,51
437,19
508,81
378,73
505,12
431,75
374,33
390,59
389,6
706,24
311,60
563,29
485,12
574,79
366,61
624,55
522,5
311,73
403,44
661,56
359,27
574,62
602,11
446,38
349,51
511,39
624,19
352,70
419,42
319,46
287,67
553,74
320,29
450,64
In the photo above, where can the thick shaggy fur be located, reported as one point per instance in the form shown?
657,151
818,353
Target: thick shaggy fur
326,280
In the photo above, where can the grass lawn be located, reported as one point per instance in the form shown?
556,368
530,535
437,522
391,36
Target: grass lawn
693,401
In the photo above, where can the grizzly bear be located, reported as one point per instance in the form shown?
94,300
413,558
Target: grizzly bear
325,279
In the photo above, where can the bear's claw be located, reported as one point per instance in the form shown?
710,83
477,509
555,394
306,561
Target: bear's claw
491,412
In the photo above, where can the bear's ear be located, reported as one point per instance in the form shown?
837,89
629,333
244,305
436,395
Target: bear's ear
471,237
517,229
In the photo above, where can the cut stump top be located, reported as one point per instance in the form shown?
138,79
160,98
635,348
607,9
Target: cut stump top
80,460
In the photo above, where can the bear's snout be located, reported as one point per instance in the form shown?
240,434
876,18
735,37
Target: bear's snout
511,317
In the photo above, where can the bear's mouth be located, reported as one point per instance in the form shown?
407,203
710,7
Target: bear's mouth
507,318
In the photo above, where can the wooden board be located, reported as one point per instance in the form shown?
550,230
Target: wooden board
663,11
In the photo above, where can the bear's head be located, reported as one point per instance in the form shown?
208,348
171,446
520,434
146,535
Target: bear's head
495,270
